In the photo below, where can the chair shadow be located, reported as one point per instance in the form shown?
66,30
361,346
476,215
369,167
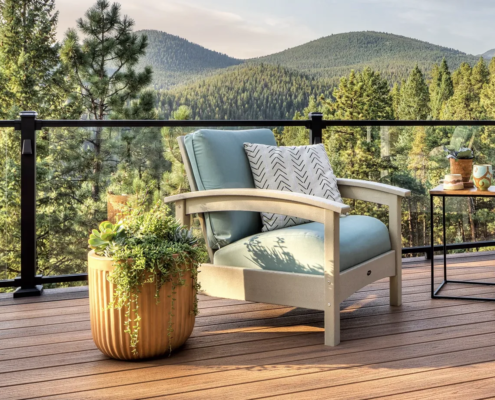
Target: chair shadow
278,258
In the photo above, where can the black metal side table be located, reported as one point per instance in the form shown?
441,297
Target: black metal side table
440,192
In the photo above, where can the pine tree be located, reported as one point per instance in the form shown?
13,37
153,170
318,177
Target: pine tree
487,96
465,103
104,65
175,181
441,88
32,78
138,150
415,97
395,95
360,96
31,75
480,75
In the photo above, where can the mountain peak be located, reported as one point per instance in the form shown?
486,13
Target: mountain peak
176,60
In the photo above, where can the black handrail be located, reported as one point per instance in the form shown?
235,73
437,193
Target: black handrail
30,284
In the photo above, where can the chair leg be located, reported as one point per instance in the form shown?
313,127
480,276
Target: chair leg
395,218
332,325
395,291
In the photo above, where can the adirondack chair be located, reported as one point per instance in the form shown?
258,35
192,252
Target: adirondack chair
315,265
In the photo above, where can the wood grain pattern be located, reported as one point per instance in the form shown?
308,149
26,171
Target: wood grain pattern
426,348
172,312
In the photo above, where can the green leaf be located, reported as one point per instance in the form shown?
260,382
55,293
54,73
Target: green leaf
107,236
104,225
96,242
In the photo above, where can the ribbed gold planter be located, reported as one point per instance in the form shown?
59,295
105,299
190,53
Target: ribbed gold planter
107,325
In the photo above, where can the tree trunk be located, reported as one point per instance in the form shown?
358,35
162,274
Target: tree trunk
96,164
471,220
409,220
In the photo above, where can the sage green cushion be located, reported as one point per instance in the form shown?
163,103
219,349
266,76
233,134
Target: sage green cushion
300,248
218,161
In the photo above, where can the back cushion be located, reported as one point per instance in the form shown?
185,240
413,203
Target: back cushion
218,161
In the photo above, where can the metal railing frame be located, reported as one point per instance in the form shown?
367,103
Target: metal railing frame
31,284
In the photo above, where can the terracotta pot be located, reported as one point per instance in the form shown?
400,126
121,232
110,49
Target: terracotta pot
114,206
107,325
463,167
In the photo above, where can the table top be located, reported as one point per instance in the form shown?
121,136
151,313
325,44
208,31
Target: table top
439,191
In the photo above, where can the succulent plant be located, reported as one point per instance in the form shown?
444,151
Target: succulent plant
184,236
107,237
464,153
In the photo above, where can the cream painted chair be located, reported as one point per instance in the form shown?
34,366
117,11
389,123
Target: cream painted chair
315,265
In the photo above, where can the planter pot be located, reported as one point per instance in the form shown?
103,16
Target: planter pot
462,167
107,325
114,206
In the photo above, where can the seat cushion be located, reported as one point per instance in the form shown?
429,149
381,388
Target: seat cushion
299,248
218,161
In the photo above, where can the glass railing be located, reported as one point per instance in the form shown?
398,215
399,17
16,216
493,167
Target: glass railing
85,170
10,205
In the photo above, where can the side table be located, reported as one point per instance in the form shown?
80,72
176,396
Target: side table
439,191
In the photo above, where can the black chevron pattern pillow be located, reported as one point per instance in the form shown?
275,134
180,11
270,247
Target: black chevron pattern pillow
301,169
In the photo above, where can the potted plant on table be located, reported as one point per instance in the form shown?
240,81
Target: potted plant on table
142,276
461,162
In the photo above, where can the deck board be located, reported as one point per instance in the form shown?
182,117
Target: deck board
442,349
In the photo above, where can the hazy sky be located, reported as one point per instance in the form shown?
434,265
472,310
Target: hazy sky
250,28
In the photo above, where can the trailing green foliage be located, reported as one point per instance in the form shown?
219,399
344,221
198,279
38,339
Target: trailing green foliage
147,246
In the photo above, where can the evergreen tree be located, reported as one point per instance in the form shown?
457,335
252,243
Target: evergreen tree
360,96
480,75
487,96
175,181
395,95
298,135
138,151
104,67
34,79
465,103
415,97
31,75
441,88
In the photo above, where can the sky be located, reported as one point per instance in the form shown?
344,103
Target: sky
253,28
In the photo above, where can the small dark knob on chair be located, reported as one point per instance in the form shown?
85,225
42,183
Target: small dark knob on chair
369,273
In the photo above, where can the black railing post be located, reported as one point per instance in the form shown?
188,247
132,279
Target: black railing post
316,131
28,278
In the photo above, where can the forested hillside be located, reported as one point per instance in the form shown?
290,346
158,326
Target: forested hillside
392,55
488,55
176,61
245,92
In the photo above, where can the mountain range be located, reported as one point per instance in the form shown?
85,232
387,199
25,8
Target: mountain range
177,61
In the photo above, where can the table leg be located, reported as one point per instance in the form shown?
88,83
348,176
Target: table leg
432,241
444,242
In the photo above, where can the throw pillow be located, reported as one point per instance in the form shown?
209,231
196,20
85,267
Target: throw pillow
301,169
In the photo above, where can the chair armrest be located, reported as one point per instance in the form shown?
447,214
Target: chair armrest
379,187
262,194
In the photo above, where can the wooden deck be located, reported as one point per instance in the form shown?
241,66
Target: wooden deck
438,349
